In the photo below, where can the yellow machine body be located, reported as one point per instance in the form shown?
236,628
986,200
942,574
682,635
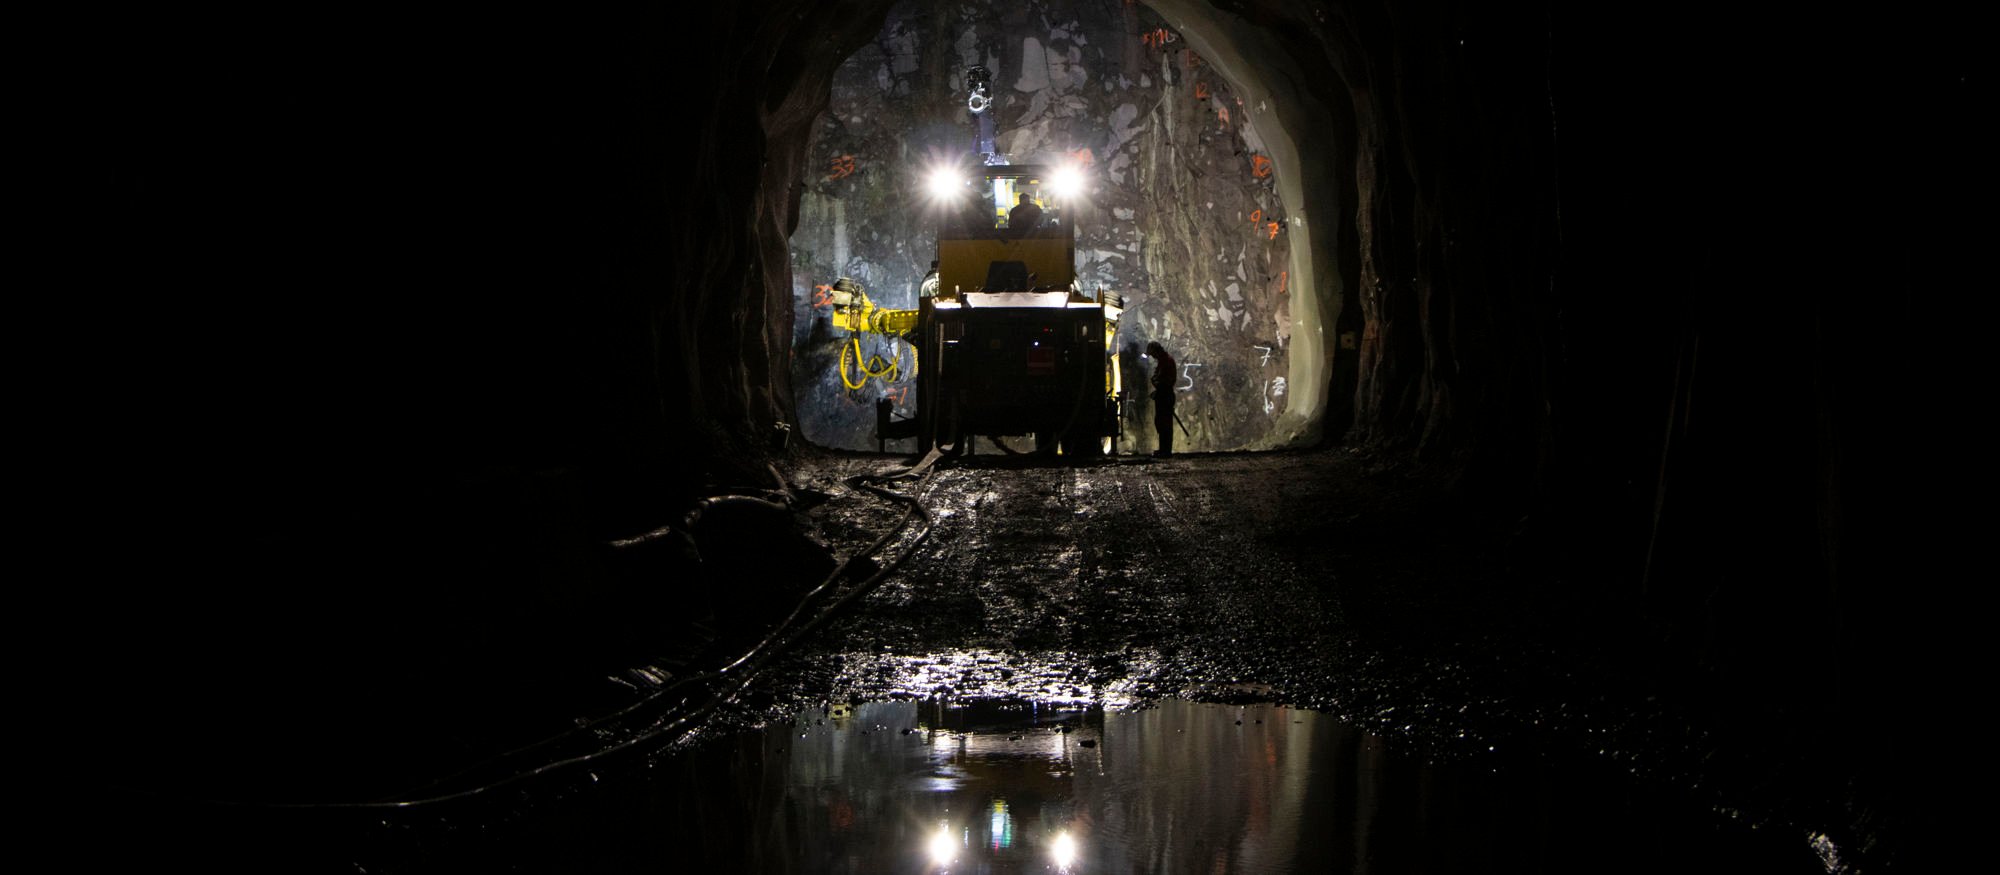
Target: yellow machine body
1008,345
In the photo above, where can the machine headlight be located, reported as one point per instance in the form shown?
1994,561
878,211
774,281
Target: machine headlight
1066,182
945,184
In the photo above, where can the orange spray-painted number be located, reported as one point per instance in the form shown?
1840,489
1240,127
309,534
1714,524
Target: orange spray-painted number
822,296
843,167
1201,91
1260,166
1256,217
1273,226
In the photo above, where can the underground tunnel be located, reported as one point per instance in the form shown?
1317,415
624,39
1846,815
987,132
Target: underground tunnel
458,379
1180,214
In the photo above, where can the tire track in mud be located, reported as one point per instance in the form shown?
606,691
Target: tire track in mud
1125,607
1154,579
1256,622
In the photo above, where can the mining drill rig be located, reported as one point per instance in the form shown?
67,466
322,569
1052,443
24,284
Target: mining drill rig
1008,344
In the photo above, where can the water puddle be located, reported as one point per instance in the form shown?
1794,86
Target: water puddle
921,786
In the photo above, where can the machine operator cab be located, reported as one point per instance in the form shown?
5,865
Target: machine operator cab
1005,228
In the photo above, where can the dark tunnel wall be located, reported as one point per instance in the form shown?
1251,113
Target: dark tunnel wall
374,287
432,243
396,317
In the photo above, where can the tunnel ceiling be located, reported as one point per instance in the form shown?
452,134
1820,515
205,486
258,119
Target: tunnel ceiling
1183,218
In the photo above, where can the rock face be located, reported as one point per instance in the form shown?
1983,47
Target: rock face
1182,216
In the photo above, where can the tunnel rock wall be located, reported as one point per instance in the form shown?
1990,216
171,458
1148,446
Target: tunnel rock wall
1183,218
400,317
1457,227
1603,265
1424,155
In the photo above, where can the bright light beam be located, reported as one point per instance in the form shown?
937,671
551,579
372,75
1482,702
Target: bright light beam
944,184
1066,182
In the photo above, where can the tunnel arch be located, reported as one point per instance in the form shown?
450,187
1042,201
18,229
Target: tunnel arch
585,267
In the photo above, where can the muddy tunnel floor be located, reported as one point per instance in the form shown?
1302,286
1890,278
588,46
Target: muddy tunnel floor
1331,580
1334,580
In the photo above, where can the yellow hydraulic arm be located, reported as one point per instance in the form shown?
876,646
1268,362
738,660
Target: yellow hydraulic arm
853,312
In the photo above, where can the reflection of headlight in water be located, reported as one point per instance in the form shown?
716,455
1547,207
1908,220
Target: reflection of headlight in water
1063,851
943,849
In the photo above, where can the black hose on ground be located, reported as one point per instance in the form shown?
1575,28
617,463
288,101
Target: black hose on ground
739,673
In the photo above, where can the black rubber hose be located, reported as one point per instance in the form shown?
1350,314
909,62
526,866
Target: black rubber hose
744,668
